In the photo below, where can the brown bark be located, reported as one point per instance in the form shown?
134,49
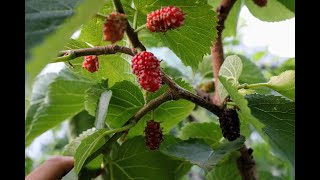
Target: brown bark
217,49
246,164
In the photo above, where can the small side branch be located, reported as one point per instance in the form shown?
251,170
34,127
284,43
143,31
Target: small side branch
246,164
67,55
133,36
153,104
181,93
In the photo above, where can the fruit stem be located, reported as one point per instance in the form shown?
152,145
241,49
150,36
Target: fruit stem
101,16
123,128
231,103
135,18
140,28
252,86
152,114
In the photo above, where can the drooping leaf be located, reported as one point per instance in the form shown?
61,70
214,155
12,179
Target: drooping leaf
126,100
278,115
70,149
135,161
197,152
284,84
38,95
275,10
168,114
89,145
210,132
93,95
102,109
51,44
230,69
63,99
197,33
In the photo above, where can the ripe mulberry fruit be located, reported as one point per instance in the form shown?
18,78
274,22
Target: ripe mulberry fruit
260,3
230,124
164,19
153,135
147,68
91,63
114,27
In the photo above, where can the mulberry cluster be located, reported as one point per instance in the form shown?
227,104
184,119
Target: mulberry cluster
114,27
147,68
230,124
165,19
153,135
91,63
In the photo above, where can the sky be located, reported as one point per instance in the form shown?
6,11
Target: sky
278,37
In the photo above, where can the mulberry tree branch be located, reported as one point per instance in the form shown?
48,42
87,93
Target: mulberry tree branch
246,164
217,49
133,36
67,55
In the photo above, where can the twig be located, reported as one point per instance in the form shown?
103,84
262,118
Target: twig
133,36
203,94
246,164
181,93
217,50
67,55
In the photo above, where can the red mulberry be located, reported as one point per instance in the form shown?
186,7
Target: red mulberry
147,68
114,27
165,19
91,63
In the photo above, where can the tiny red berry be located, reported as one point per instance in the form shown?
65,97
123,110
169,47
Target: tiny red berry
164,19
153,135
147,68
91,63
114,27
